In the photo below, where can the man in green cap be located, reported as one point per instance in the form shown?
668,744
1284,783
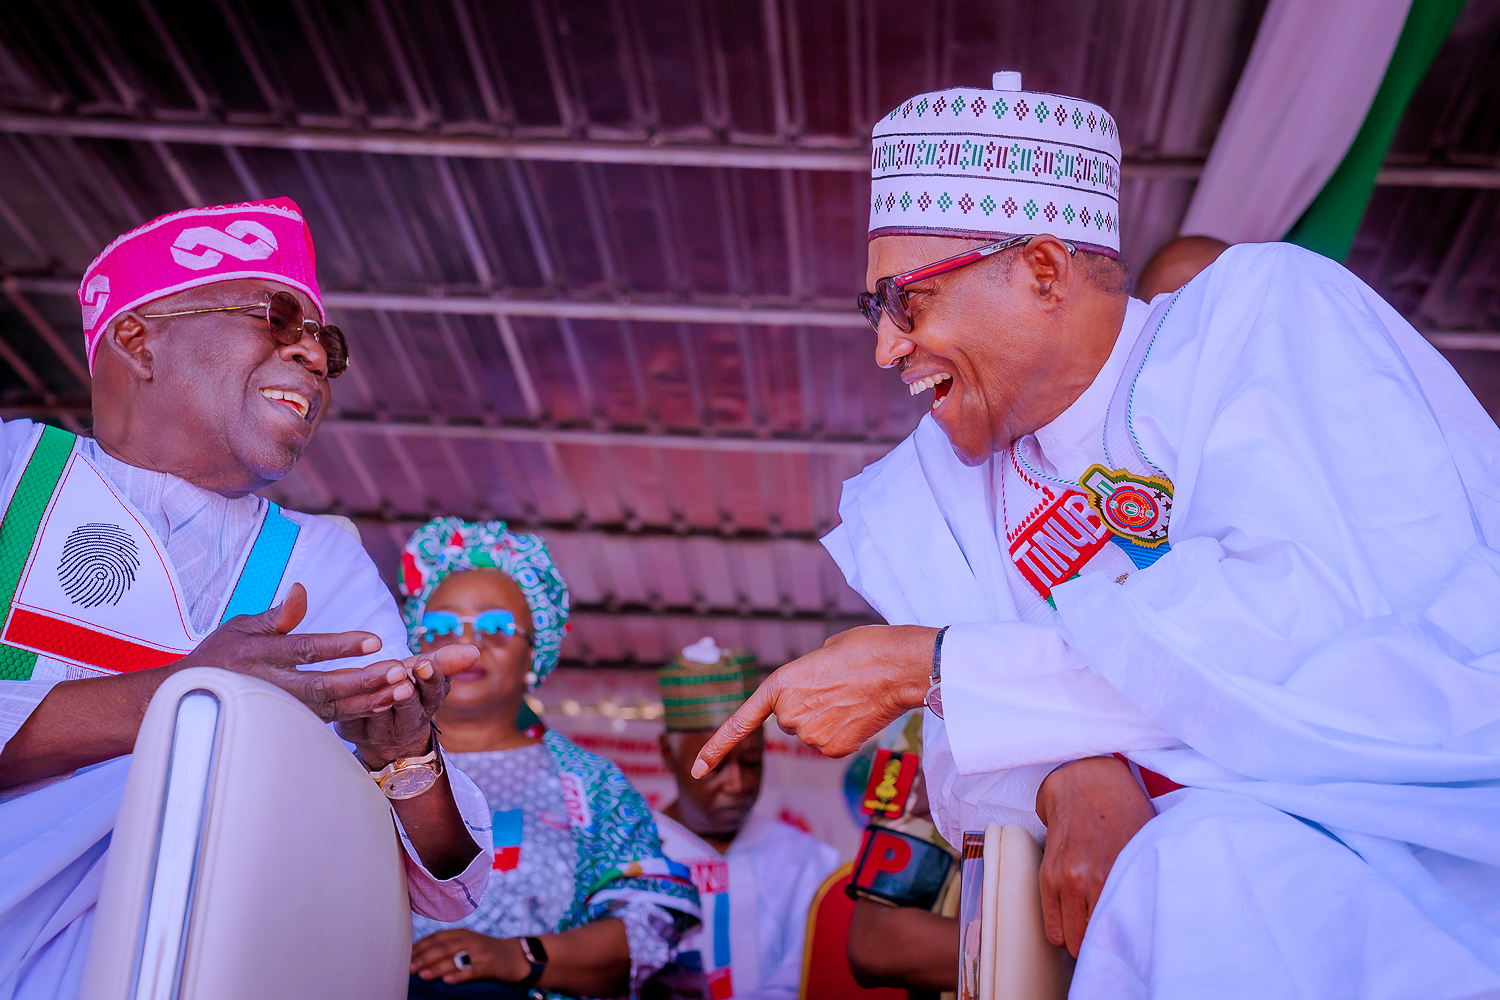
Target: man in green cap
756,876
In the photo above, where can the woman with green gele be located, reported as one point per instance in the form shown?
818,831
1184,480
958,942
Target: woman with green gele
581,901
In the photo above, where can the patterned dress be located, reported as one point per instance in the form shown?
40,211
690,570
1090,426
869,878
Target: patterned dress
574,843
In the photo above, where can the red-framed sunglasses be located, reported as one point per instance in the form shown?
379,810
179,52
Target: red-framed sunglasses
286,325
889,298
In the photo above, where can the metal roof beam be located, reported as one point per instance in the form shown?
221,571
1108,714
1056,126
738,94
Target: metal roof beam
465,146
664,153
598,531
1440,177
341,427
1450,340
683,613
470,305
615,437
1463,340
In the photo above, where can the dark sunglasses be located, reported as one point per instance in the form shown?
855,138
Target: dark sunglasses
889,298
287,326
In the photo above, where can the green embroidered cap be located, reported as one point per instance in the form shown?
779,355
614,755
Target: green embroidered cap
703,685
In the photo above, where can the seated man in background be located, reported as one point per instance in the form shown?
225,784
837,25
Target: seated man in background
142,551
756,876
904,931
1176,263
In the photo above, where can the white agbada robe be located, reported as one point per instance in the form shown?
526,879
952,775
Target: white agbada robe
54,834
1321,642
755,901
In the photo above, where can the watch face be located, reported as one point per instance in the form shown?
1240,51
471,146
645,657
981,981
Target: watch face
409,782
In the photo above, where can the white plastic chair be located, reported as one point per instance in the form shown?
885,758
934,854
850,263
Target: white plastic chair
253,858
1016,961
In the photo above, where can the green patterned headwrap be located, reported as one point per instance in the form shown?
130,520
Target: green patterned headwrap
447,545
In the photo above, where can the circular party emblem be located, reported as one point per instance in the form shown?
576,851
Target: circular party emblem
1132,508
1136,507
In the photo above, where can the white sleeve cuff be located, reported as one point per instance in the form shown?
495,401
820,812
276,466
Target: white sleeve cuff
1016,695
453,899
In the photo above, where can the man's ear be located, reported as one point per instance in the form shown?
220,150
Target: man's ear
126,339
1052,269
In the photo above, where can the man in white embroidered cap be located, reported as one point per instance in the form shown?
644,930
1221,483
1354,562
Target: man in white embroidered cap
1201,591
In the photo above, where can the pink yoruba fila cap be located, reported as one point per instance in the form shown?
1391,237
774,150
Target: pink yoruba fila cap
195,247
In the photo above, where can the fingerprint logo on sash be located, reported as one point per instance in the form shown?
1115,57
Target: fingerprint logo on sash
99,563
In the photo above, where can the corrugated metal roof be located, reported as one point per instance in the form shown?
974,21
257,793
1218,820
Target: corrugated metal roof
683,464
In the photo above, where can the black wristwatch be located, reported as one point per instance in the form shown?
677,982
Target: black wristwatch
536,954
934,699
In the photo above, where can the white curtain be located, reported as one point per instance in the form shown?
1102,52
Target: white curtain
1305,91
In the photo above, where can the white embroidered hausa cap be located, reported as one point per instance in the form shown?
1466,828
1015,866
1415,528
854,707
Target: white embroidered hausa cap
996,163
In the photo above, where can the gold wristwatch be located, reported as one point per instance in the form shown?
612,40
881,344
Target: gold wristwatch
408,777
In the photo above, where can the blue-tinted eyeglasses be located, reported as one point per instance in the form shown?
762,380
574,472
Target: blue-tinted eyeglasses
495,622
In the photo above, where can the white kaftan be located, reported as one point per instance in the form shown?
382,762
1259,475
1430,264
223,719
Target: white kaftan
54,834
1320,643
755,901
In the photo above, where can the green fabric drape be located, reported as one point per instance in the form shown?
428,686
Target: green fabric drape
1329,224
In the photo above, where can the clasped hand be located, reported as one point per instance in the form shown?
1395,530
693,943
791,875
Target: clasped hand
384,709
1091,808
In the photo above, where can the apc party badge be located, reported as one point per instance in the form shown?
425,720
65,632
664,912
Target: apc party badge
1137,507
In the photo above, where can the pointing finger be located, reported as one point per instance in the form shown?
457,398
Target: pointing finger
750,717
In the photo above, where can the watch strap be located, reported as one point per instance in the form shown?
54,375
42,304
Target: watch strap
934,699
536,954
430,757
937,655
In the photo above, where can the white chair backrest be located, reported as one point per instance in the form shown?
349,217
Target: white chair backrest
253,858
1017,962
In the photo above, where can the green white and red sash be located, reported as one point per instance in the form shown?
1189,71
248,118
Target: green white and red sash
1052,531
1056,529
85,583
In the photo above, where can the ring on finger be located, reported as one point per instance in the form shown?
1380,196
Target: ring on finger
462,960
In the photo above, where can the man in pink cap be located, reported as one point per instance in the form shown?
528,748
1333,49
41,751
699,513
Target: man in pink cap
143,550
